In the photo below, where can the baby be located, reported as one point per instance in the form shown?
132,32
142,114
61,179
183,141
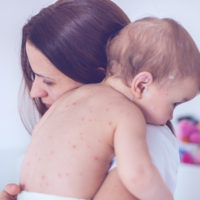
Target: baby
153,65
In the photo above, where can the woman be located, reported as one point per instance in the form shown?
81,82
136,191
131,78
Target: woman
72,34
84,25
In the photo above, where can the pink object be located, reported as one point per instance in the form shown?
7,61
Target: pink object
185,128
187,131
187,158
195,138
198,157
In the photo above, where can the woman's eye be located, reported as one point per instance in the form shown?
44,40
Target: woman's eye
49,83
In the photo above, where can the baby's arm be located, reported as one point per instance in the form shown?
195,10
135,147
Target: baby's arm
163,149
135,166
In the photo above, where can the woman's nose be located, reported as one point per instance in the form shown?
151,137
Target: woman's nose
37,91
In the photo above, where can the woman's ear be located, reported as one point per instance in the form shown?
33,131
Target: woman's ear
140,83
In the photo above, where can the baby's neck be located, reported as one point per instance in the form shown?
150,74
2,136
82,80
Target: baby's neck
118,85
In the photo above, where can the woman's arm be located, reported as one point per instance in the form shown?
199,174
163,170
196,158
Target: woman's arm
10,192
112,188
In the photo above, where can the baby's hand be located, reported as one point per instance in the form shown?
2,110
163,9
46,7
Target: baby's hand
10,192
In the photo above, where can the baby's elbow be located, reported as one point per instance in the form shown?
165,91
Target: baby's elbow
139,179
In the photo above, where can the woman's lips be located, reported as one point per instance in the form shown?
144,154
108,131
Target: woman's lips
47,105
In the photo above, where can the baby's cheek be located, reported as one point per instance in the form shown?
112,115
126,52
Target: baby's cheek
153,109
166,117
162,117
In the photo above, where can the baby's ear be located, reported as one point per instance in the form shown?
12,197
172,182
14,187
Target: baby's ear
140,83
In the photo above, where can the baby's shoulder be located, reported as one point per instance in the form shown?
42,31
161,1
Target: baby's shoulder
103,98
123,108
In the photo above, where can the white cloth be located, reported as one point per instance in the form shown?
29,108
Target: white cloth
39,196
163,148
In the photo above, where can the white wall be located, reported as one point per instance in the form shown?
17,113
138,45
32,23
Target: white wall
13,15
14,138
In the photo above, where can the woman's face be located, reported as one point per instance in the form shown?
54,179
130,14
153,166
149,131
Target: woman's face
49,83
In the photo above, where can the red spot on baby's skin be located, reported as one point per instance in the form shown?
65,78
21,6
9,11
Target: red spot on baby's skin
39,159
47,184
59,175
83,118
107,109
96,158
28,163
99,141
43,177
82,138
50,137
74,103
110,123
74,146
89,147
52,152
66,174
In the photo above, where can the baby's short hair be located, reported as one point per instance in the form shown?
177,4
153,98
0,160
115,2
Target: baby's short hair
160,46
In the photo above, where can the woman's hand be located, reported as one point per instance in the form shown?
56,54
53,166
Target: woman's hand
10,192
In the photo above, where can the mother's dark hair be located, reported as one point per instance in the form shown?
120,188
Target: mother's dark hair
73,34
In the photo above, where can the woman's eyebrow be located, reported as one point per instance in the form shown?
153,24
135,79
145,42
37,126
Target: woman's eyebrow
42,76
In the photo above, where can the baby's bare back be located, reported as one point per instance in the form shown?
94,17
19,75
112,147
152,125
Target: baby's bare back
72,145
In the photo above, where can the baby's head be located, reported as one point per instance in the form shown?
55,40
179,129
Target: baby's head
160,63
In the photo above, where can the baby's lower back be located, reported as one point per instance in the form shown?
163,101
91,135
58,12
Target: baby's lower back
66,164
50,168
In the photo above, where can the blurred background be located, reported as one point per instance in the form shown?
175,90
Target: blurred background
14,138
